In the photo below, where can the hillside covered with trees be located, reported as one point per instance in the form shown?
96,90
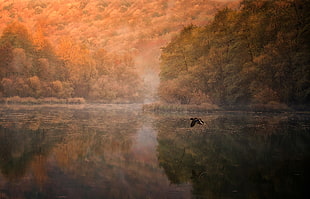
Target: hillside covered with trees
258,54
30,67
103,50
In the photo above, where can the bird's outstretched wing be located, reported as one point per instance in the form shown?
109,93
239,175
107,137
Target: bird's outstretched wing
193,122
196,120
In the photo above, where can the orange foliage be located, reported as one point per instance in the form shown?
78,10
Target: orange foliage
130,32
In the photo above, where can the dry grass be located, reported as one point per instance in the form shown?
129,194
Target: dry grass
162,107
269,107
34,101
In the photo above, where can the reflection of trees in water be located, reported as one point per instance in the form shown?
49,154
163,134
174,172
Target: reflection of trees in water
91,151
26,139
25,144
84,144
100,156
237,156
18,148
95,140
84,153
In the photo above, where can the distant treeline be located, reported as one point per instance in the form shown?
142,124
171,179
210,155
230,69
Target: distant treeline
258,54
30,66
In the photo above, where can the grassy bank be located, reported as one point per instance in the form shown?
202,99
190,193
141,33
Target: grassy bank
40,101
162,107
270,107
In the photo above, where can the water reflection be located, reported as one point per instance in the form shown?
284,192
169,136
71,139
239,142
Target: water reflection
238,156
119,152
89,152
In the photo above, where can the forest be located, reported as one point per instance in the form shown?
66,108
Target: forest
257,54
100,50
31,67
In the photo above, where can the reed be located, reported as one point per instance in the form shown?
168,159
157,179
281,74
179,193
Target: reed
39,101
269,107
163,107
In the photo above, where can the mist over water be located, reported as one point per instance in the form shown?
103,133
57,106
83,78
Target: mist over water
118,151
151,81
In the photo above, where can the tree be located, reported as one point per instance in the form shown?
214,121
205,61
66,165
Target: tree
35,86
7,86
6,56
17,35
257,54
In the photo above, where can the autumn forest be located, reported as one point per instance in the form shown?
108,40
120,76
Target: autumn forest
218,52
256,54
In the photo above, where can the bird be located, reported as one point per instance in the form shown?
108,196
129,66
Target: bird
196,120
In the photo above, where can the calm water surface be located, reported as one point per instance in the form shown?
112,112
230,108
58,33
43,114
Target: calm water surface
117,151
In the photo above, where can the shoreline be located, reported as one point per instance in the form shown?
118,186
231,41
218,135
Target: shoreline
40,101
16,100
209,108
156,107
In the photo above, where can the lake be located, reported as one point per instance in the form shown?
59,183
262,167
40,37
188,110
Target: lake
118,151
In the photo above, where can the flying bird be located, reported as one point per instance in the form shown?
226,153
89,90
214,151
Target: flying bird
196,120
